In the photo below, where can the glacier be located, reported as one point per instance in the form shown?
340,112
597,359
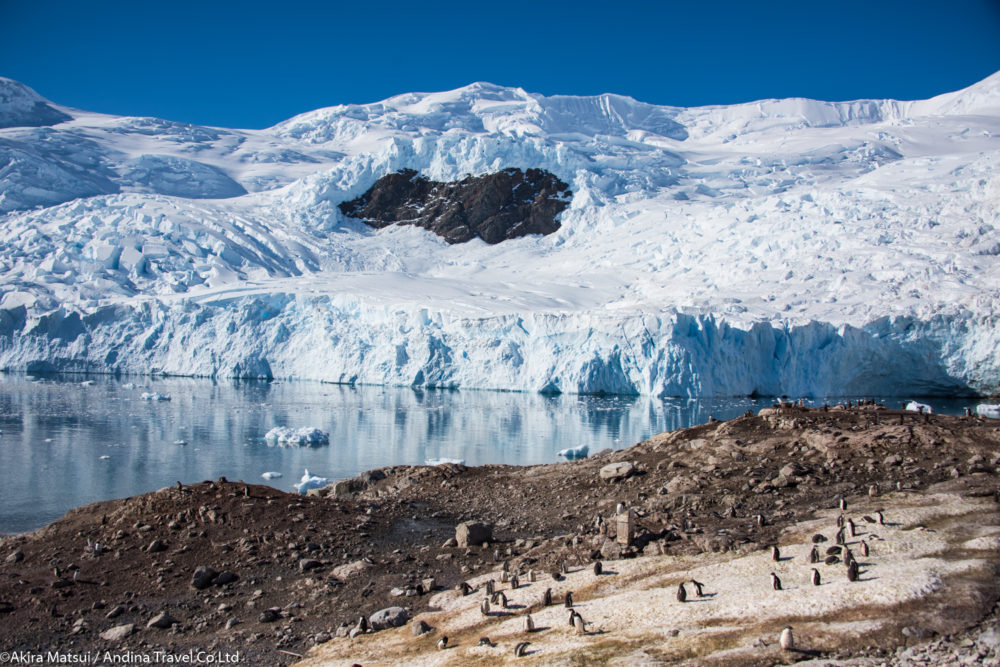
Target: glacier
780,247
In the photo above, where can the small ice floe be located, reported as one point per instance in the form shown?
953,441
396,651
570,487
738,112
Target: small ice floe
128,385
180,442
573,453
153,396
105,457
287,437
272,475
987,410
913,406
88,383
441,461
310,482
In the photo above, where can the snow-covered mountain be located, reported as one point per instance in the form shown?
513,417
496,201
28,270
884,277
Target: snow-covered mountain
780,247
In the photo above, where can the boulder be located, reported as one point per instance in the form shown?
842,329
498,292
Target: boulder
615,472
419,627
203,577
390,617
473,533
163,620
349,570
225,578
118,633
307,564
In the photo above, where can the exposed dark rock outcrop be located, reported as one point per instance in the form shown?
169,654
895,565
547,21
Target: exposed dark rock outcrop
494,207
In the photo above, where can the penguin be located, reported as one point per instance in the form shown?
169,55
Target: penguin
851,528
504,577
881,519
465,588
760,520
775,582
506,566
834,551
568,600
529,624
775,554
499,598
531,576
521,649
485,641
843,504
682,594
557,577
579,624
514,583
868,519
814,555
815,577
180,487
832,560
697,588
848,557
818,537
787,640
363,624
852,571
564,567
598,568
484,607
547,598
443,643
840,537
864,549
490,588
571,618
840,521
873,491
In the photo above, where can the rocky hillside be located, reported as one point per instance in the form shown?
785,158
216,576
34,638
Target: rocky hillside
493,207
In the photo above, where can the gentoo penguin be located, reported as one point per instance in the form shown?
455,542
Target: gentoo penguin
547,598
868,519
840,537
529,624
834,550
485,641
843,504
697,588
363,624
531,576
572,616
851,528
852,571
598,568
443,643
775,582
465,588
568,600
506,566
579,624
818,537
881,519
814,555
484,607
760,520
499,598
521,649
504,576
490,587
848,557
682,594
564,567
873,491
557,577
831,560
787,640
840,521
775,554
514,583
864,548
815,577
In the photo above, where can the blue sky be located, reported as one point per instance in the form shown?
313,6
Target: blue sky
253,63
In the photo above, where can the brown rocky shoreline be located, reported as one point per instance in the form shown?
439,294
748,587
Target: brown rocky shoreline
283,573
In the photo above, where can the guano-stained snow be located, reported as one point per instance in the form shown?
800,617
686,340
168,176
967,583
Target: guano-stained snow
780,247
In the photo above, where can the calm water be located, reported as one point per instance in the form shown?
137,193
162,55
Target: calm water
64,443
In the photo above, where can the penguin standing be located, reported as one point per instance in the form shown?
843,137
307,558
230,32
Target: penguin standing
598,568
775,554
815,577
531,576
881,519
529,624
547,598
851,528
787,640
840,537
442,643
521,649
484,607
682,594
775,582
490,588
697,588
843,504
864,548
568,600
814,555
579,624
514,583
852,571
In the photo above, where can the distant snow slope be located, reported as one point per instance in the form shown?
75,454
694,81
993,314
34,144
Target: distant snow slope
780,247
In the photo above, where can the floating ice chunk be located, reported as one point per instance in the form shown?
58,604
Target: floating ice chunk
105,457
572,453
287,437
180,442
987,410
153,396
87,383
437,462
310,482
128,385
913,406
272,475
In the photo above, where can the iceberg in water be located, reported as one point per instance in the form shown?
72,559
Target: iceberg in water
153,396
305,436
437,462
987,410
273,475
573,453
913,406
310,482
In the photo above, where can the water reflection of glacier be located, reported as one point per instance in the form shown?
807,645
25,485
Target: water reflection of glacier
55,431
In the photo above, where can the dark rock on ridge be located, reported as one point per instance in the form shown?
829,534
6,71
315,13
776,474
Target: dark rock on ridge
494,207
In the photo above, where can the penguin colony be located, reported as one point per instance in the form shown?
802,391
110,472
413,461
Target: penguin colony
845,526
